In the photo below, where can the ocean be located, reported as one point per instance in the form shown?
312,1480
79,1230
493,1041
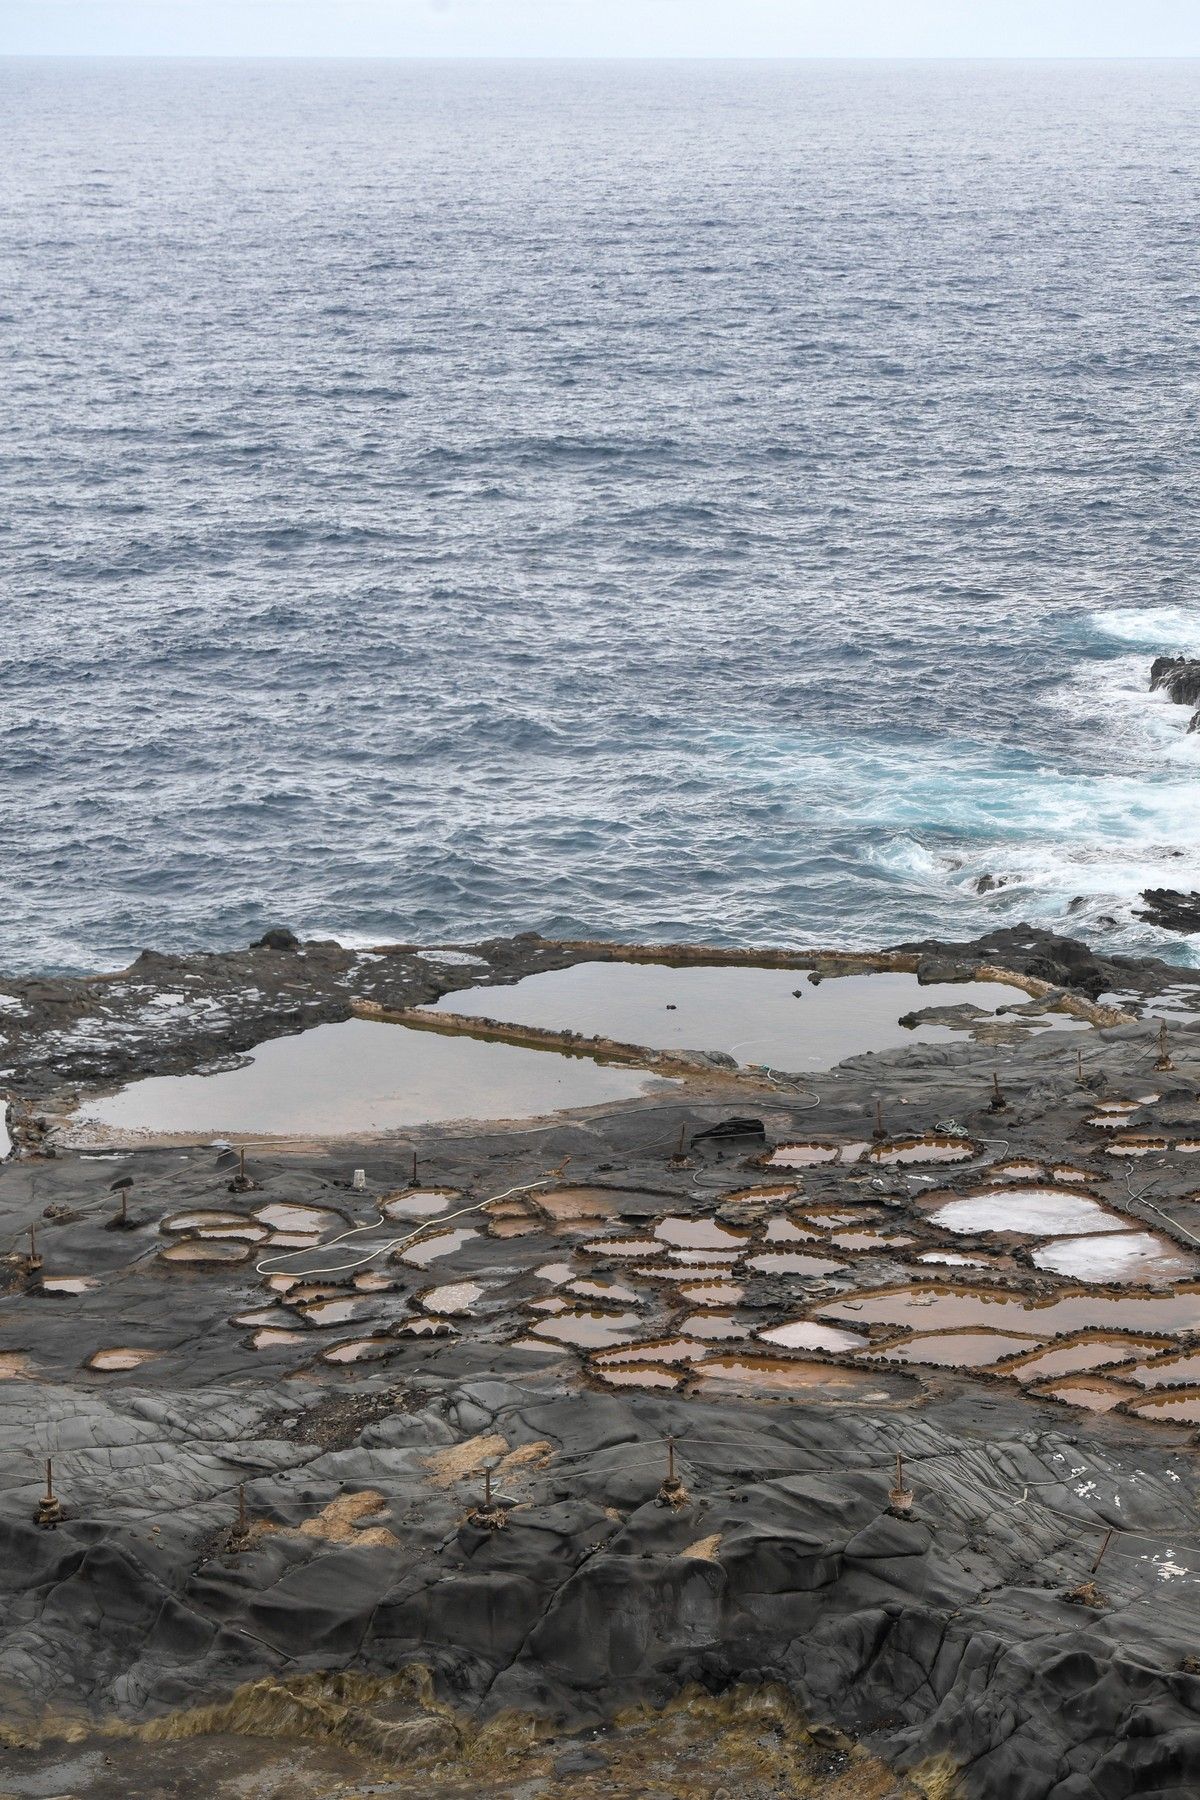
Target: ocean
726,502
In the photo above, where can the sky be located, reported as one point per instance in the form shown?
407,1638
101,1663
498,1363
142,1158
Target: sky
600,27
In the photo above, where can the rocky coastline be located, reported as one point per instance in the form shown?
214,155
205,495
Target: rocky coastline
346,1514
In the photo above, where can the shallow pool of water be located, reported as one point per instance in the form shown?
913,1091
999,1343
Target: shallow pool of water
360,1350
441,1243
1031,1212
118,1360
639,1375
356,1077
701,1234
1072,1359
956,1349
927,1308
716,1326
199,1252
1182,1407
1167,1371
452,1298
713,1293
418,1203
1088,1392
775,1017
802,1334
770,1374
791,1262
654,1350
587,1330
1134,1256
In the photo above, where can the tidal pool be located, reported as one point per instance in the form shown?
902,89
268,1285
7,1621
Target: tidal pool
775,1017
360,1076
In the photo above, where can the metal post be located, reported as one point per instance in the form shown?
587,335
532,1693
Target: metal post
413,1176
880,1132
1108,1538
49,1512
124,1206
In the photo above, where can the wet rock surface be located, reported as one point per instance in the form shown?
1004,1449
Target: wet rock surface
303,1472
168,1015
1178,677
1171,910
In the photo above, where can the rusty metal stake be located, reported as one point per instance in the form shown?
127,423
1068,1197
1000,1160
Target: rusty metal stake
880,1131
1108,1538
998,1101
1164,1062
35,1261
412,1180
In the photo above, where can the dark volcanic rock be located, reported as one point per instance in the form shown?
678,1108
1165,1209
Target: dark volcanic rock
278,938
1171,910
1179,676
1027,950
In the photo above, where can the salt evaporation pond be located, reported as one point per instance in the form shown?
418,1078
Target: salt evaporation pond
1033,1212
751,1014
1137,1256
352,1078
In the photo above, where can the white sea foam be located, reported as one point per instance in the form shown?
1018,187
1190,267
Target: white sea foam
1162,630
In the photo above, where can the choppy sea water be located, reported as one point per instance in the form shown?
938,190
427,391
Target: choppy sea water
726,502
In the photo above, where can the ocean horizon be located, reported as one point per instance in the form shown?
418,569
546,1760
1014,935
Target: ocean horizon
726,502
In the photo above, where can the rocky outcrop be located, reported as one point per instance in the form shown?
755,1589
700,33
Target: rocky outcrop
1179,678
1171,910
1026,949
